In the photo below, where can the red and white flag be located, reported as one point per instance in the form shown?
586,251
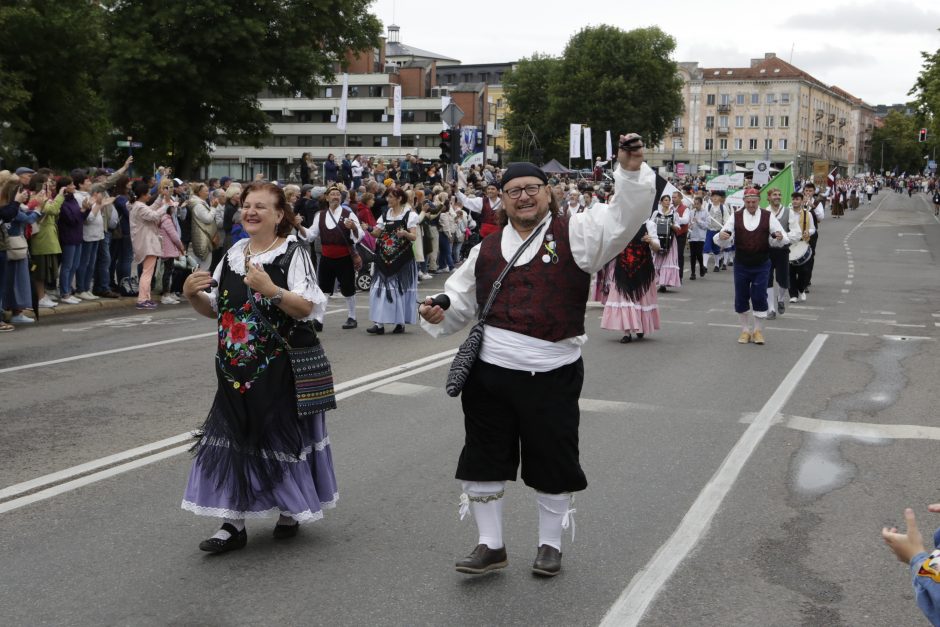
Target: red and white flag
831,181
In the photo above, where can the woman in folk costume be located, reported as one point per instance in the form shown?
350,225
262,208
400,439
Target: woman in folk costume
630,302
666,260
395,273
838,203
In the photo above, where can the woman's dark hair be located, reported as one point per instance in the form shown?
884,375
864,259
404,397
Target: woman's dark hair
286,224
665,197
140,189
62,181
398,193
37,182
120,185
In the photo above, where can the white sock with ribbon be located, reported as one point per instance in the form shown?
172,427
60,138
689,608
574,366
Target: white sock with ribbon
484,499
555,515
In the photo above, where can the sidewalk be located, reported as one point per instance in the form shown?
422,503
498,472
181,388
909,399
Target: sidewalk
86,306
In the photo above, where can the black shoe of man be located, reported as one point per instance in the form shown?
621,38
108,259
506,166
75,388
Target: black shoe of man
482,560
547,561
350,324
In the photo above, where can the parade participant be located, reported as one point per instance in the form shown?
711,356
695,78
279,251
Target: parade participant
719,215
531,349
487,209
753,229
254,455
817,212
574,204
803,218
936,201
338,230
394,287
630,302
666,259
698,227
778,280
683,216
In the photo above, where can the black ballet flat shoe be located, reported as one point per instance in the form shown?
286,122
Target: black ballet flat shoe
237,540
639,336
662,289
626,339
283,532
376,330
692,277
317,325
399,328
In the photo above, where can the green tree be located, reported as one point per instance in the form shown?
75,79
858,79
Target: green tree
926,92
50,56
898,138
607,79
181,78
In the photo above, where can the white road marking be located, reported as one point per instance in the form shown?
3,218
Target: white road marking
911,250
863,429
32,491
632,604
400,388
844,291
846,333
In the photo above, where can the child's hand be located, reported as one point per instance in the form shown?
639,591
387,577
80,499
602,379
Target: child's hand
907,545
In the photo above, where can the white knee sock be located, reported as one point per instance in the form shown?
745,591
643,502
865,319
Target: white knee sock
706,258
745,321
771,300
555,515
222,534
484,499
351,306
758,324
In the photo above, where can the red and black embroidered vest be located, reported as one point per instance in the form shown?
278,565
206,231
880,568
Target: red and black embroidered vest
488,215
538,299
332,235
751,247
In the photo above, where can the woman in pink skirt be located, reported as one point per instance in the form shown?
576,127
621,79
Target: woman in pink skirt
629,287
666,261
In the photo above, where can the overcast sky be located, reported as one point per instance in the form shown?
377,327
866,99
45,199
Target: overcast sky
871,50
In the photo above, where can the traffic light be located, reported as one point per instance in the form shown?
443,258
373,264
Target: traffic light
922,137
447,146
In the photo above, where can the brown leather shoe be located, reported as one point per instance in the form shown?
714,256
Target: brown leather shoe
547,562
482,559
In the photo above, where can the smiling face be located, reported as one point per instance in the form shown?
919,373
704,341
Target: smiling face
260,215
526,211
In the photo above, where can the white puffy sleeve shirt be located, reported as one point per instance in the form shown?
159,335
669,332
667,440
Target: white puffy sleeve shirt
595,237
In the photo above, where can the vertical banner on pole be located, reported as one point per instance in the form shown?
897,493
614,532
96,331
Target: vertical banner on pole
445,100
396,100
588,148
610,149
574,143
341,118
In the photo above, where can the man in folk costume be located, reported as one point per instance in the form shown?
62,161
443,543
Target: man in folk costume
805,222
778,281
817,210
522,391
753,229
338,230
719,213
486,209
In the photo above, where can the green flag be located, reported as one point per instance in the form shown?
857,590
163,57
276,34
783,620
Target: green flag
784,182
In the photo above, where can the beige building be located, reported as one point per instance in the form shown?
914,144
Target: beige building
769,110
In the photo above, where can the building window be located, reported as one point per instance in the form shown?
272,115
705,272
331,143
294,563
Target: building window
725,99
752,144
771,98
408,142
739,121
741,98
304,140
354,141
375,91
723,121
677,124
782,144
709,121
784,121
755,99
738,144
723,144
328,140
769,121
709,100
755,121
768,144
376,141
709,144
353,91
278,140
785,98
677,143
407,116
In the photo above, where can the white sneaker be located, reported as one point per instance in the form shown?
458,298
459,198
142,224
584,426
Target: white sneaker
426,276
54,298
87,296
169,300
802,295
46,302
70,300
21,319
793,299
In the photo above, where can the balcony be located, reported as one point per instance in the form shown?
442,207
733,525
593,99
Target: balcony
817,136
723,130
830,139
678,130
724,108
820,113
841,122
832,118
841,141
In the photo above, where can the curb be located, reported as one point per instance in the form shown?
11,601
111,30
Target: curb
61,311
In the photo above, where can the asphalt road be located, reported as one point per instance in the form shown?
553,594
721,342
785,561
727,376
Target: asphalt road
794,537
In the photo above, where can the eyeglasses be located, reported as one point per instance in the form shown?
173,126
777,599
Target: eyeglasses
516,192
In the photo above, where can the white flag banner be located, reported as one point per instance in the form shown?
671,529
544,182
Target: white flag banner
341,118
445,100
396,123
610,149
761,172
588,148
574,143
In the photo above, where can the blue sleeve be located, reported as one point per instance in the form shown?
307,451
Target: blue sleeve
926,587
9,211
